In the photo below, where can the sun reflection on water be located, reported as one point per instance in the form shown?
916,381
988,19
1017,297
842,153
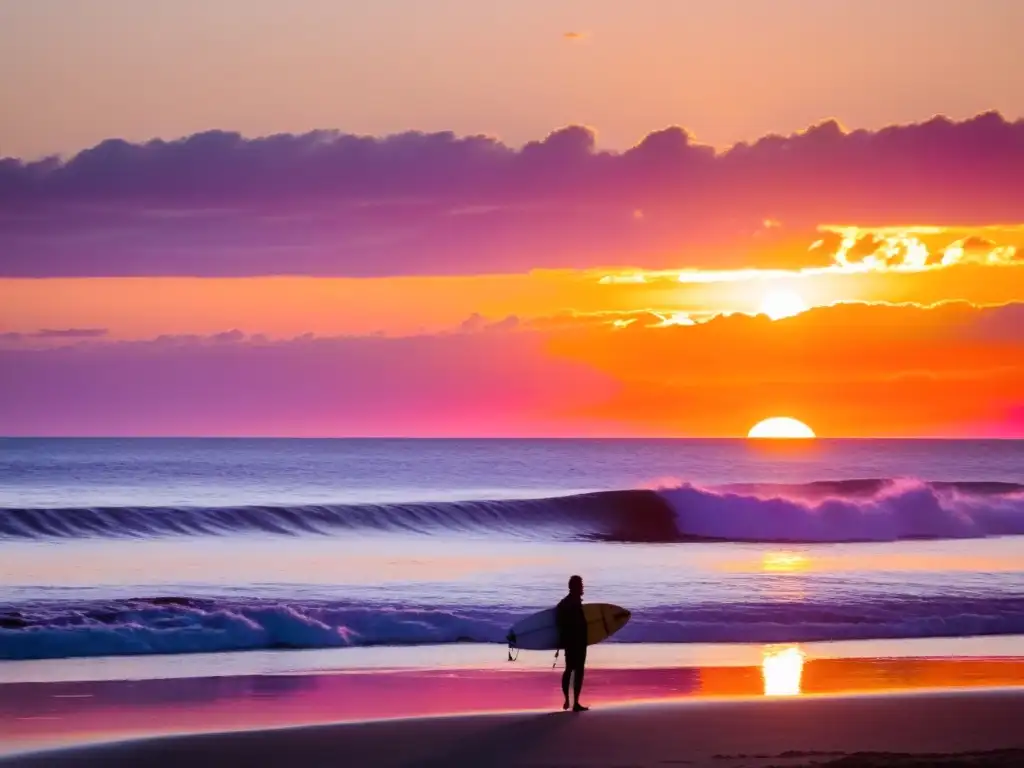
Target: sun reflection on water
782,669
785,562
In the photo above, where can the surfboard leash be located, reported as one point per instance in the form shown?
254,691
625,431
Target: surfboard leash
511,639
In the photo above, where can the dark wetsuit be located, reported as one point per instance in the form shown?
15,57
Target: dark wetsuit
572,633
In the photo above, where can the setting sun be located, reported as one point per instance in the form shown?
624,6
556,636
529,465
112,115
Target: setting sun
781,427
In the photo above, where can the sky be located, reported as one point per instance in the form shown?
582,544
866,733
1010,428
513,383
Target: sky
511,219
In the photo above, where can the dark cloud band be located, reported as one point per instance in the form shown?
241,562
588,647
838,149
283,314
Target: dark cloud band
337,204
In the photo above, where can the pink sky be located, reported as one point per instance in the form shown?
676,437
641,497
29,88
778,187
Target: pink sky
445,218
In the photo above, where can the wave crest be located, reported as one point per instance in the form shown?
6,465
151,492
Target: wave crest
172,625
827,511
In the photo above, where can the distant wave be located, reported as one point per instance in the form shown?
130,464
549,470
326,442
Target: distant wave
827,511
177,624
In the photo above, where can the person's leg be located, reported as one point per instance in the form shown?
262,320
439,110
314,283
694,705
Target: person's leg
569,662
581,662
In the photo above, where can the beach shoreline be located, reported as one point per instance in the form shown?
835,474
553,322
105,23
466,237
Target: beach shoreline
849,730
365,704
612,654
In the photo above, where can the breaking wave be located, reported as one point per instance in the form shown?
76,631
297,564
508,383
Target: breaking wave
830,511
175,625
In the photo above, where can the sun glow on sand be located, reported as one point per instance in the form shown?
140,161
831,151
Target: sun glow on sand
780,427
782,670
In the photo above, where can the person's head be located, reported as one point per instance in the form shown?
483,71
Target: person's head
576,585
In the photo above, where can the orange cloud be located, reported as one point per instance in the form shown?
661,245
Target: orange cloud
848,369
915,248
290,306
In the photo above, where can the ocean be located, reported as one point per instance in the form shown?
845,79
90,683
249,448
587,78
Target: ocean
122,547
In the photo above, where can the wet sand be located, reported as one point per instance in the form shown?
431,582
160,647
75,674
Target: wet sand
797,706
977,728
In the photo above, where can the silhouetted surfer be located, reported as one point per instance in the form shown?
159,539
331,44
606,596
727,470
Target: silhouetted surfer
572,635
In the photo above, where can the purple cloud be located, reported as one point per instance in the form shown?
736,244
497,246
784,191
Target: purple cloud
70,333
329,203
477,322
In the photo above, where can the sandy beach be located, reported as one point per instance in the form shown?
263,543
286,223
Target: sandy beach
965,728
793,709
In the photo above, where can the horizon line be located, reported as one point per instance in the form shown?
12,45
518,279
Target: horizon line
467,438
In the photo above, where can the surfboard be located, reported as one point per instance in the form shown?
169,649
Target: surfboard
539,631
